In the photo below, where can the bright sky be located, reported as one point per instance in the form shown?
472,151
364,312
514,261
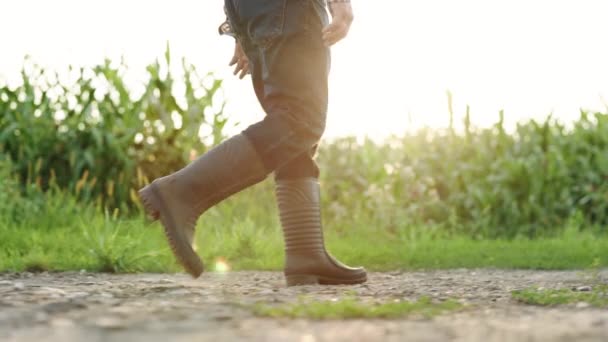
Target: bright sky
528,57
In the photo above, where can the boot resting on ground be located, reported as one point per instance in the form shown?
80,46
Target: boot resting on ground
306,259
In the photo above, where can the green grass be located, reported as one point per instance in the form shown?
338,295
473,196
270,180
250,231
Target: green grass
597,297
60,236
124,247
349,308
130,247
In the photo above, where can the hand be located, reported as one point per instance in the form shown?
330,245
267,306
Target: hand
241,61
342,17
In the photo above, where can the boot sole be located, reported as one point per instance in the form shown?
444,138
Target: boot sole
156,209
310,279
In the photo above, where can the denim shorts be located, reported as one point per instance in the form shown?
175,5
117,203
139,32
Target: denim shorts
289,67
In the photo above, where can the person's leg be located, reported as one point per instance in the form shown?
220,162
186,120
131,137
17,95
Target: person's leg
304,164
179,199
290,62
289,75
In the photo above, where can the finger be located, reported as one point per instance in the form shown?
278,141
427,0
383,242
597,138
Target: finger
239,66
330,28
336,25
328,38
234,59
243,66
334,33
244,72
334,37
333,40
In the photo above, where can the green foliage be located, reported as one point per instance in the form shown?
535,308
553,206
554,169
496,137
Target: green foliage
596,297
85,131
64,234
96,138
16,204
351,308
110,250
483,182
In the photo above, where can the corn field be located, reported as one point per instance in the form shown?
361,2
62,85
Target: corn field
99,141
94,137
484,182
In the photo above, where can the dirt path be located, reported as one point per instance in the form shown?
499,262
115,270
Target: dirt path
150,307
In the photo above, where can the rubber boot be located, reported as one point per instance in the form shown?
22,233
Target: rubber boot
180,198
306,259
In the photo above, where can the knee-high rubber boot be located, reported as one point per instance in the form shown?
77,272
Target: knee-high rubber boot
306,259
180,198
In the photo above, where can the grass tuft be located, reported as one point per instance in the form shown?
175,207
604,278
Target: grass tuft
350,308
596,297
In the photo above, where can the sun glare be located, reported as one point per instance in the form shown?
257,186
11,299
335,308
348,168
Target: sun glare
221,265
391,74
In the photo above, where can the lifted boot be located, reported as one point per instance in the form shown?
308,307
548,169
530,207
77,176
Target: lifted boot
180,198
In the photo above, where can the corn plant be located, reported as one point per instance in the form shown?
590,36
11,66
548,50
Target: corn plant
96,137
484,182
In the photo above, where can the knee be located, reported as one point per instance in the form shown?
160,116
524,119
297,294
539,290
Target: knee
311,132
285,133
306,123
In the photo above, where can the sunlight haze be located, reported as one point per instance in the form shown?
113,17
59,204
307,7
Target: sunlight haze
391,75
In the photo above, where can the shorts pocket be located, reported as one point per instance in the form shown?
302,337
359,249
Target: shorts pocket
264,20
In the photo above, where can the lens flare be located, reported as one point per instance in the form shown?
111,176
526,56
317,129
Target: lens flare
221,265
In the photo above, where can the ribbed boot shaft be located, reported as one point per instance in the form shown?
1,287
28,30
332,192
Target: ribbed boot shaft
306,260
300,214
